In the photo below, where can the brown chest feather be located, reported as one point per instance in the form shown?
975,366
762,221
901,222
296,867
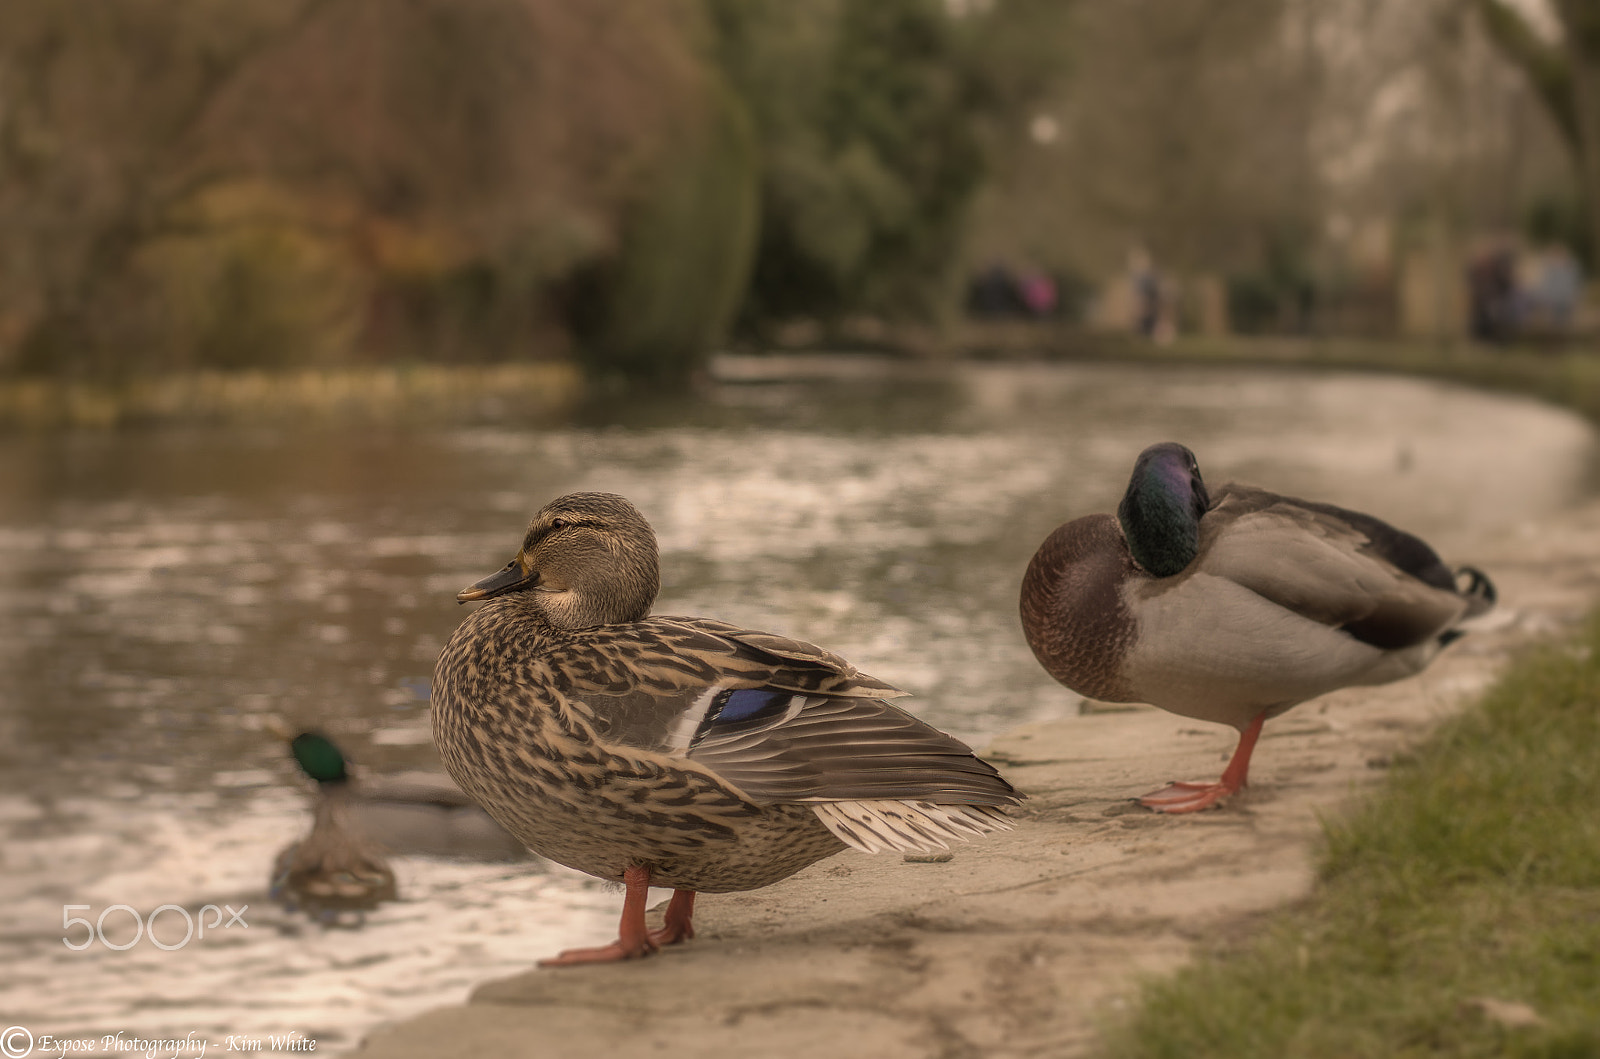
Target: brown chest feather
1073,613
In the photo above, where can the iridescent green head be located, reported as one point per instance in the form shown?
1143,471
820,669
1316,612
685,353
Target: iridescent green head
1161,511
318,758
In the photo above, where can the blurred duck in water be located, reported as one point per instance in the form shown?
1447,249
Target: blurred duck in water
1235,605
340,865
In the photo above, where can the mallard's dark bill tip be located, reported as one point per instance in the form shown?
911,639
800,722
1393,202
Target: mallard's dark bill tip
508,578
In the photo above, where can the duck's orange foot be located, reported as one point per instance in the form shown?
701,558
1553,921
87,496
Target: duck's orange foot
671,935
1187,797
633,939
612,953
1192,797
679,922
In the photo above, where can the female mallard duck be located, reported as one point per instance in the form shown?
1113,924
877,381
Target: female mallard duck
335,868
679,752
1233,607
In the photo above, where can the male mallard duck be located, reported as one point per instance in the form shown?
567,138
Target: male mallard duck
335,868
421,813
680,752
1234,607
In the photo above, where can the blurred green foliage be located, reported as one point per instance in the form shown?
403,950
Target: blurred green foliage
1277,296
289,183
1552,219
198,184
1563,71
867,120
657,308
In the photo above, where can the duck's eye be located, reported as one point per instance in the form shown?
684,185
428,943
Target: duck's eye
559,523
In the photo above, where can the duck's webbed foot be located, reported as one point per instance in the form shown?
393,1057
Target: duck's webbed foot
679,922
633,940
1192,797
621,949
1187,797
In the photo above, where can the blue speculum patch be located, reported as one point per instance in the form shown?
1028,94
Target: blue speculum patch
743,704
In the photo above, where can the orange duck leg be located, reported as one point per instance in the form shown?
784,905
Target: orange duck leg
1192,797
633,939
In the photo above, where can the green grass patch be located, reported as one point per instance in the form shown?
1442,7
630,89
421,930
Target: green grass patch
1473,874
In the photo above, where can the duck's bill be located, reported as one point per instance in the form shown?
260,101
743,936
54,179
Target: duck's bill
507,579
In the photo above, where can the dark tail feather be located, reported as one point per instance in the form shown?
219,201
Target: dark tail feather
1480,594
1479,589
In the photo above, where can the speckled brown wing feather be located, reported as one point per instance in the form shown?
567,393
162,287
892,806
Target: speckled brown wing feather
824,732
791,657
834,749
640,679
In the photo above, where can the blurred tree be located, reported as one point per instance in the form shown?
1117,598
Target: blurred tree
1301,151
1023,53
1564,74
869,150
257,182
1197,117
93,99
1182,126
656,308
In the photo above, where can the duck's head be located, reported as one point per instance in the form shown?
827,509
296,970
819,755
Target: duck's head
588,559
1161,511
318,758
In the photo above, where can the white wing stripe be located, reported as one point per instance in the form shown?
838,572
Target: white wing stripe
689,723
907,827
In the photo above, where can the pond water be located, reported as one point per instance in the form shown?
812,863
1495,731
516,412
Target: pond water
164,594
